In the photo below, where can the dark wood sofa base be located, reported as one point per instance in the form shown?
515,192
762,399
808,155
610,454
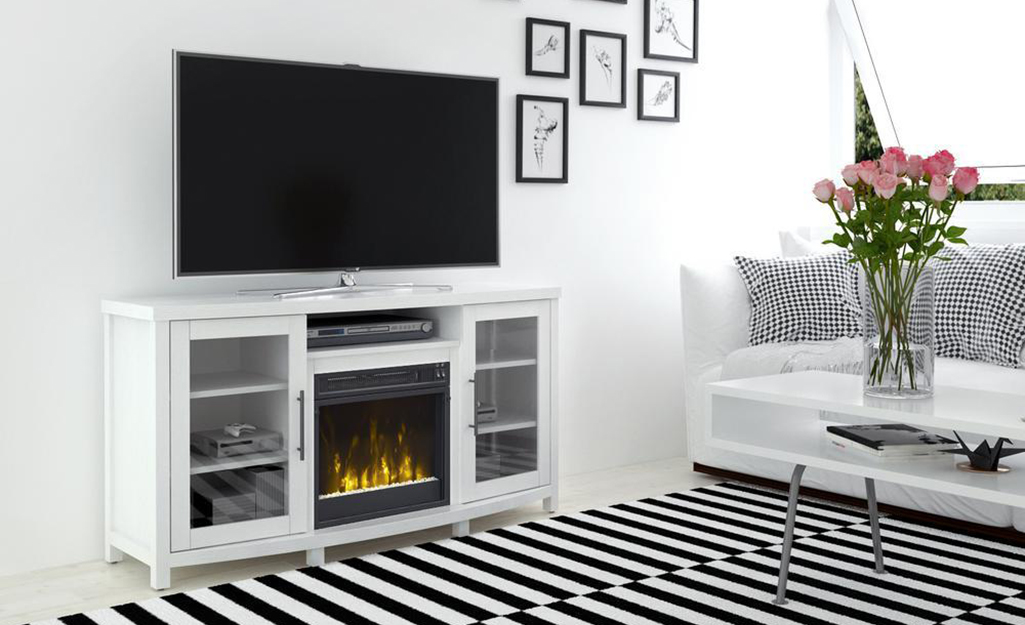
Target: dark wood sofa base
1004,534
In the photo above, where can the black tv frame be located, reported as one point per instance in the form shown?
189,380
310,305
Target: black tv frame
176,55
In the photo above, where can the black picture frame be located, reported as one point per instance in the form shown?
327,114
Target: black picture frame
616,1
584,101
531,48
648,54
564,136
642,97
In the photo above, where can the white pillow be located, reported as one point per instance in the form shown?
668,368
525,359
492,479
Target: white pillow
792,245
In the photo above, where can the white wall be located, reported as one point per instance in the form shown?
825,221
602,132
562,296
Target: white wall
85,194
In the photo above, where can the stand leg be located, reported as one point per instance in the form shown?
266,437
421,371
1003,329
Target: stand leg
873,517
460,529
159,577
550,504
112,554
788,534
315,557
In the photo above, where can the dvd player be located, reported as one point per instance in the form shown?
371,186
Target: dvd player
377,328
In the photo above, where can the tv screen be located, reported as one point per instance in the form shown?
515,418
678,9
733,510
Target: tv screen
287,167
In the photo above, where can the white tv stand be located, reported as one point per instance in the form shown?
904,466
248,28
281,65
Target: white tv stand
174,365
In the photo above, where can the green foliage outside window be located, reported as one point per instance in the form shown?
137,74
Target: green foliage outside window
867,147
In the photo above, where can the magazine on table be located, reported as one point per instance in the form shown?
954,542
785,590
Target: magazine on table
889,440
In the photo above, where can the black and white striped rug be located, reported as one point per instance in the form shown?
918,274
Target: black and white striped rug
706,556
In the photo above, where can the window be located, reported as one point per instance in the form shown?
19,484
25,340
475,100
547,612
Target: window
867,146
936,76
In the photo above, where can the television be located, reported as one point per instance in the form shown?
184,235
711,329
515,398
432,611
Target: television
301,167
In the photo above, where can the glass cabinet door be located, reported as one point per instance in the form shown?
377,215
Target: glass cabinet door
237,458
509,399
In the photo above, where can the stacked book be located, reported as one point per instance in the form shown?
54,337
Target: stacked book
890,441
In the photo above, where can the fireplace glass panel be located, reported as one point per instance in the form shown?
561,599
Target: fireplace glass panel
378,444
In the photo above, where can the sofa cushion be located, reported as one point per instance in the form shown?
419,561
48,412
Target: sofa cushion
812,298
980,304
843,355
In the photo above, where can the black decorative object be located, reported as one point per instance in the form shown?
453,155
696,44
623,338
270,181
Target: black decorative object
985,457
658,95
602,69
671,30
547,48
542,139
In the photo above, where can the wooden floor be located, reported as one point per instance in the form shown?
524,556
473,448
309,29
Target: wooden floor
75,588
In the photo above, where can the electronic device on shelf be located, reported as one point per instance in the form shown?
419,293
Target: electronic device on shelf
221,444
486,413
375,328
236,429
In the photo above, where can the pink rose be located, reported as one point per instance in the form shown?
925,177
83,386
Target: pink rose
885,185
846,198
898,151
893,161
938,188
824,190
948,161
966,179
940,163
867,171
850,174
914,167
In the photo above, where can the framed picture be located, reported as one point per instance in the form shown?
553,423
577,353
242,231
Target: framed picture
658,95
617,1
602,69
547,48
671,30
542,139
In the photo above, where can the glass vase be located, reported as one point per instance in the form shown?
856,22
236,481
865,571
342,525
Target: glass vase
899,328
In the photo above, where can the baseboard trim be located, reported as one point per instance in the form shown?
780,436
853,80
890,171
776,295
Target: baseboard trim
1003,534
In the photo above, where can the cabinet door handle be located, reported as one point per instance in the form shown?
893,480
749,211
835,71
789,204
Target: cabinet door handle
302,426
474,425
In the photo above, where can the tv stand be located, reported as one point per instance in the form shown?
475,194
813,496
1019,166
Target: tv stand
346,284
175,366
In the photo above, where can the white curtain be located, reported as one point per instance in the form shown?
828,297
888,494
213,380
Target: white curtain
948,74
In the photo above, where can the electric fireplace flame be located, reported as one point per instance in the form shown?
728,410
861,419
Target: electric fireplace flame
376,454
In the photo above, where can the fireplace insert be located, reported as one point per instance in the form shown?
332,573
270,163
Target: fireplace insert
382,442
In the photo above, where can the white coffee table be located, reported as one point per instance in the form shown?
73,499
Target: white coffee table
784,417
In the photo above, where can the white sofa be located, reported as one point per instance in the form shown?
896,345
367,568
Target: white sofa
716,311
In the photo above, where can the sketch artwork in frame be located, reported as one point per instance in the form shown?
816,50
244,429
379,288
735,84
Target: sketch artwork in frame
547,48
671,30
658,95
602,69
542,139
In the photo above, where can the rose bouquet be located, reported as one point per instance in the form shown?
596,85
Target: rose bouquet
894,217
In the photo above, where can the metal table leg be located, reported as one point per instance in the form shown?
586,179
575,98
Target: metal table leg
873,517
788,534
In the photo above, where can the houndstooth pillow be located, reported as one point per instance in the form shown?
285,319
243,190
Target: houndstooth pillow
980,304
810,298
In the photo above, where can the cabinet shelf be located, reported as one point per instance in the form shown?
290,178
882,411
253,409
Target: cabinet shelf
233,383
201,463
507,424
506,363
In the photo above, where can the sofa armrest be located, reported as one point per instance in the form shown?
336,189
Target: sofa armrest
716,317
